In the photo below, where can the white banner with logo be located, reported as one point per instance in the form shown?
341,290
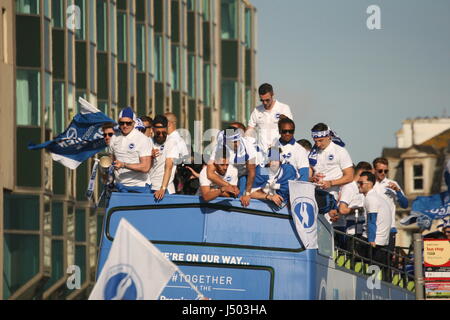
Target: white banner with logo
135,269
304,211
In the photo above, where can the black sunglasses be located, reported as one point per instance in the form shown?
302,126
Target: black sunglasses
287,131
381,171
128,123
109,134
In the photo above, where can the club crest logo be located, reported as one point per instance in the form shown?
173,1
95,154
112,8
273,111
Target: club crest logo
131,146
305,209
123,284
331,157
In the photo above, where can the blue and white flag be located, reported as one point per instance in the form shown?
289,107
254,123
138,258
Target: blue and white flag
135,268
304,211
426,209
81,140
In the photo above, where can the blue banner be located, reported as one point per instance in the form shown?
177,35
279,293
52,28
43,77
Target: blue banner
426,209
80,141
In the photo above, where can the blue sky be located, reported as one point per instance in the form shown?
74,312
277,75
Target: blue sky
329,67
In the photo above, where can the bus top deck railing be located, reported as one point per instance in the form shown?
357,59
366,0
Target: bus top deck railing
358,256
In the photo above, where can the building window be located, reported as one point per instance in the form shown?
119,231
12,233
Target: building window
175,68
122,36
101,25
229,19
158,57
248,28
27,6
191,75
80,33
58,107
57,14
28,94
229,100
418,176
140,47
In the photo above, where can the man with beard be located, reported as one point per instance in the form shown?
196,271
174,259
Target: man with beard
162,172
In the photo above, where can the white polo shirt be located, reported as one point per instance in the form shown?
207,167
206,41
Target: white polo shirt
156,174
266,123
331,162
373,202
231,176
389,195
174,140
129,149
293,154
349,194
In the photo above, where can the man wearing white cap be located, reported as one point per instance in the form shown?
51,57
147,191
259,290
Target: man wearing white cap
131,151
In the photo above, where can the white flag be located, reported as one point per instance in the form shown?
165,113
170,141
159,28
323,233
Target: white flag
304,211
135,268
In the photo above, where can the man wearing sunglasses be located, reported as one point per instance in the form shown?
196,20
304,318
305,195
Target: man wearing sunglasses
291,152
390,191
147,122
263,123
165,154
378,214
108,132
131,153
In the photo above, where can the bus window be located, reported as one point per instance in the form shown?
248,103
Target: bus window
324,239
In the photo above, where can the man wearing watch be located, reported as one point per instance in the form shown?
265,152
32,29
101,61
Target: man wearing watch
131,153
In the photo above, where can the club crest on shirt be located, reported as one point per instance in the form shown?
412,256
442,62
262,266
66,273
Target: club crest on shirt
277,115
131,146
287,155
331,157
227,178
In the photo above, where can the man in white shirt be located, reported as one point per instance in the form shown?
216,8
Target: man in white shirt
379,217
263,123
209,190
350,217
165,156
391,192
330,161
173,136
131,153
242,156
292,152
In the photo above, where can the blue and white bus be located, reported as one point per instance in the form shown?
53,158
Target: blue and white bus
231,252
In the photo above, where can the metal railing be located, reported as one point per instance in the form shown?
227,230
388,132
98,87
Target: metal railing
358,255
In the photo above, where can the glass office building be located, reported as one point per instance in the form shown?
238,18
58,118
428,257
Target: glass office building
195,58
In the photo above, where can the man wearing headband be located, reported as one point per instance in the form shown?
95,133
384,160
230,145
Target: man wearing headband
272,181
263,123
228,173
331,163
131,153
292,152
242,156
391,192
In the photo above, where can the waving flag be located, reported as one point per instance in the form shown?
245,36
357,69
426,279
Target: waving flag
426,209
81,140
135,269
304,211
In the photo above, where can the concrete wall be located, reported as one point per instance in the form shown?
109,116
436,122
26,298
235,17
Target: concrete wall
7,90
